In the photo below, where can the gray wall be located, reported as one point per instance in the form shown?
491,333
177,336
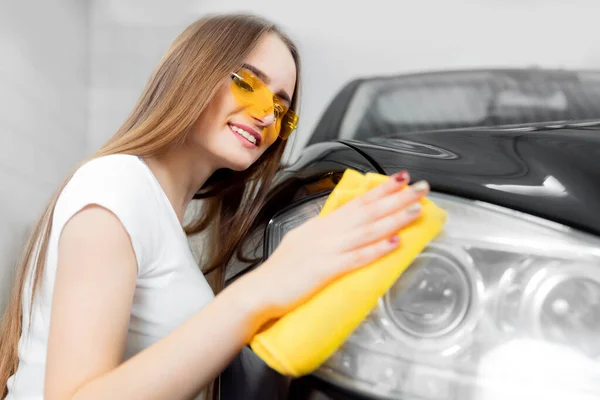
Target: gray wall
43,111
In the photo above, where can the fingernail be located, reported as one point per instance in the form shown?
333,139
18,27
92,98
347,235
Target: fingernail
414,208
401,176
394,239
420,186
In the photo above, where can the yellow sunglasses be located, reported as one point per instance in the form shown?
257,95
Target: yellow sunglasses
251,92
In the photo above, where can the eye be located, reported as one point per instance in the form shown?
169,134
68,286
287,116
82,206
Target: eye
242,84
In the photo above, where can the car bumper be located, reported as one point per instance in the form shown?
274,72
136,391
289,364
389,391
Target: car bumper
249,378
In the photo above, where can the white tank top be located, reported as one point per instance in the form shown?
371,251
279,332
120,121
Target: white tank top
169,288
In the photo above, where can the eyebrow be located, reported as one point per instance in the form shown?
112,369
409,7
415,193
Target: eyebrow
265,78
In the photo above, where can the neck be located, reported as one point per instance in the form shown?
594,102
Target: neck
181,176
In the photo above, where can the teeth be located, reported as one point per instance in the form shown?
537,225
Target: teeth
243,133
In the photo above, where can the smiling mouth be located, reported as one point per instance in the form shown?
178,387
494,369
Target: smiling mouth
246,135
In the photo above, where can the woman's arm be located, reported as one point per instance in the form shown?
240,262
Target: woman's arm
90,314
96,279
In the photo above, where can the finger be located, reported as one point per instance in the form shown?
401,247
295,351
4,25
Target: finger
395,183
361,216
380,229
367,254
393,203
352,211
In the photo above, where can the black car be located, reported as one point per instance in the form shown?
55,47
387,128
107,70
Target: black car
405,103
504,304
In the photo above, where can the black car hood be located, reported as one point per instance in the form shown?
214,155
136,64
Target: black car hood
554,174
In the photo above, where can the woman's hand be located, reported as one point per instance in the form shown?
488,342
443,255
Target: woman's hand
359,232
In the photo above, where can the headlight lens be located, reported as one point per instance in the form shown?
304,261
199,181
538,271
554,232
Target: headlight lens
431,299
494,281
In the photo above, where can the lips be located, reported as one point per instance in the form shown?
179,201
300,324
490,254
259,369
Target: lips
247,132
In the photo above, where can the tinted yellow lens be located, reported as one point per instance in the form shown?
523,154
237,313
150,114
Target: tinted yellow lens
252,93
289,122
242,85
279,110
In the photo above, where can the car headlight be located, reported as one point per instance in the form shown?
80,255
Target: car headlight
501,303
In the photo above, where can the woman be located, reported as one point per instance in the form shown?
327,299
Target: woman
109,302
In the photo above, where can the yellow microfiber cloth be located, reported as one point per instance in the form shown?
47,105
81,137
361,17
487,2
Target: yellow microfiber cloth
300,341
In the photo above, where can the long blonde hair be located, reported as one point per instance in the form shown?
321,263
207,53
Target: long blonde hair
180,88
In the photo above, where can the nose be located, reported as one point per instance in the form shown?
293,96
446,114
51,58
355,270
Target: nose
265,121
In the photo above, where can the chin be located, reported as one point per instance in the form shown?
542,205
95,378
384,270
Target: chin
239,168
239,162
